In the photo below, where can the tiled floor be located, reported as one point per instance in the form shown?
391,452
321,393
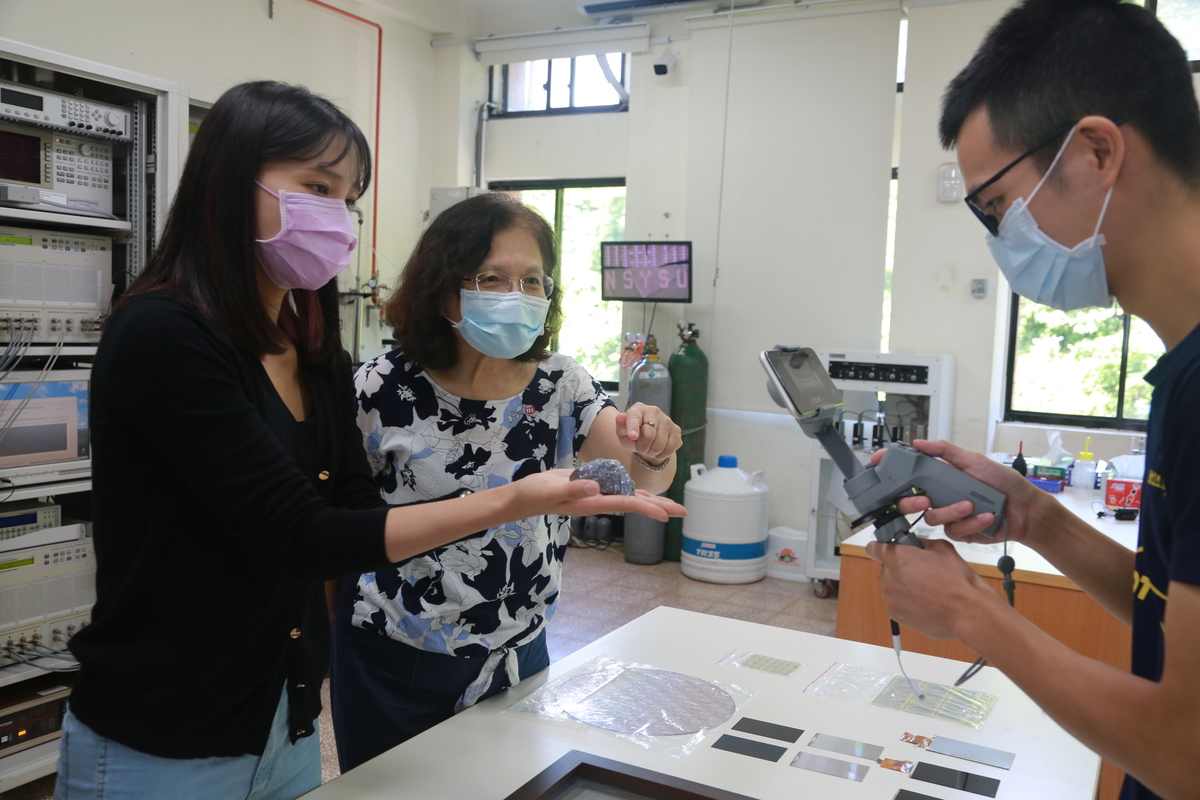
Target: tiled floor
600,594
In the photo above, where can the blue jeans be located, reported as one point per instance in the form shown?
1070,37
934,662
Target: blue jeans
384,692
91,767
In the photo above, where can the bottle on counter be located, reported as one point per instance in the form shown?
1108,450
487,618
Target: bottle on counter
1084,475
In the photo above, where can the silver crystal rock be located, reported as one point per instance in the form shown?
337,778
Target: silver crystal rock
609,473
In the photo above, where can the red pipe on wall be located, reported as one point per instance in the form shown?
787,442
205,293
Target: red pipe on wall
378,112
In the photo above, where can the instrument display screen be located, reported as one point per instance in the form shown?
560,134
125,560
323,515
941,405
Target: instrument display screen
653,272
804,378
14,98
20,157
18,519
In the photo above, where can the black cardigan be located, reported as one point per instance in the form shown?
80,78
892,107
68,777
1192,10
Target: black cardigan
211,542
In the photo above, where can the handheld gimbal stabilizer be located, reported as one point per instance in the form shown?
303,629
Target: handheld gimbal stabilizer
800,383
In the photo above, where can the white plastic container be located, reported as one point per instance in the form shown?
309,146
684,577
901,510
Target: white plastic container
787,554
725,531
1084,474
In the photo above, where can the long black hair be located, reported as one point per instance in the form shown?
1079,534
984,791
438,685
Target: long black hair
206,255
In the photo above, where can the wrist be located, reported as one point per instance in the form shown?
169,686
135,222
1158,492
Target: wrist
981,617
1044,513
512,503
651,464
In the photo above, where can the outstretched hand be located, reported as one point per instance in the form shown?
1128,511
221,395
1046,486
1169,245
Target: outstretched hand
553,492
959,522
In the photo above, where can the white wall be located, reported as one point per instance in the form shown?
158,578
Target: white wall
211,45
572,146
939,246
811,105
459,86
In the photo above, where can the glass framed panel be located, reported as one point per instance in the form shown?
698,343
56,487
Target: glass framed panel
1182,18
591,86
1144,350
527,86
591,332
560,83
1069,361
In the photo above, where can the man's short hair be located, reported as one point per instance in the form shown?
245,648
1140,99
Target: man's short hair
1048,63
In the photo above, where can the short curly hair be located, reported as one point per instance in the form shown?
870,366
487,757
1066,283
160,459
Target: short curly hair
453,247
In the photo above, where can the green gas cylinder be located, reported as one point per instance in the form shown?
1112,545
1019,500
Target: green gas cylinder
689,391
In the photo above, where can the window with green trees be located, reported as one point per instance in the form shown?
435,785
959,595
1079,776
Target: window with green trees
584,214
1083,367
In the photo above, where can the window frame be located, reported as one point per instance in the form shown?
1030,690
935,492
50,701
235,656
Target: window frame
1118,422
559,186
502,102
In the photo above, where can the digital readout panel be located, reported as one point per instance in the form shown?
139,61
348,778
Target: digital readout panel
652,272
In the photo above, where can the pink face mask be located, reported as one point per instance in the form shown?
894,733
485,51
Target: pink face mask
314,241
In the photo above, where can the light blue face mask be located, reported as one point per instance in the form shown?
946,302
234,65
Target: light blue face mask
501,324
1041,269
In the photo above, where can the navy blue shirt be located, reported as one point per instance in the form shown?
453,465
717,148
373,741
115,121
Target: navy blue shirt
1169,532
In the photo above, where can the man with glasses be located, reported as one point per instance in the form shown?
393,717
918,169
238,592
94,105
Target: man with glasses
1078,134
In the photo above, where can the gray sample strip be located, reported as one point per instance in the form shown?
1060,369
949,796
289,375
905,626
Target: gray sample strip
905,794
768,729
830,766
847,747
956,779
971,752
749,747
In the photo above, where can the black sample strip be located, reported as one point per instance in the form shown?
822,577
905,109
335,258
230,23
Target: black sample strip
748,747
956,779
905,794
768,729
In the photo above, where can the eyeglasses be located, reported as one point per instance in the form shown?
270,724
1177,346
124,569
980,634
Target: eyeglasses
532,285
991,221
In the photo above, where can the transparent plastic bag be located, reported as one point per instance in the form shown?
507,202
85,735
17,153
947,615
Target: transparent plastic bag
848,682
776,666
964,706
862,685
668,712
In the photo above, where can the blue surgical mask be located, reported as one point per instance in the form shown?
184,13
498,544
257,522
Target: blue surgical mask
501,324
1044,271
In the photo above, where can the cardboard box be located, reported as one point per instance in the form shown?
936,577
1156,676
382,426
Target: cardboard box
1042,471
1123,492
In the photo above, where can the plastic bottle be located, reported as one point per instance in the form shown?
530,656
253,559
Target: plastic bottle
1085,468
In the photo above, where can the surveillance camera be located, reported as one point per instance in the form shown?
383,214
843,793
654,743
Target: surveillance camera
668,61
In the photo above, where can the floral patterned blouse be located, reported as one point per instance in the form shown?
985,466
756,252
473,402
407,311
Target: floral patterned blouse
485,595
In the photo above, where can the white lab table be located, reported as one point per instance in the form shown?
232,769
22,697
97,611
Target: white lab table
1044,596
484,753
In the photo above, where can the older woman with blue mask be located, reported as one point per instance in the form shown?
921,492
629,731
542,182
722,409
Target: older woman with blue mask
471,400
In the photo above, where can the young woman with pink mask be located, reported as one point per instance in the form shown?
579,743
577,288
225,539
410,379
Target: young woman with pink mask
229,476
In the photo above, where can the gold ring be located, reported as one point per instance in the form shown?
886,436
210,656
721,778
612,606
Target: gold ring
651,423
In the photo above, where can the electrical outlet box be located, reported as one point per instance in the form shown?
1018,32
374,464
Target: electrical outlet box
979,288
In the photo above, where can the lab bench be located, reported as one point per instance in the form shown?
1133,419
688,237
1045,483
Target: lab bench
1043,595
